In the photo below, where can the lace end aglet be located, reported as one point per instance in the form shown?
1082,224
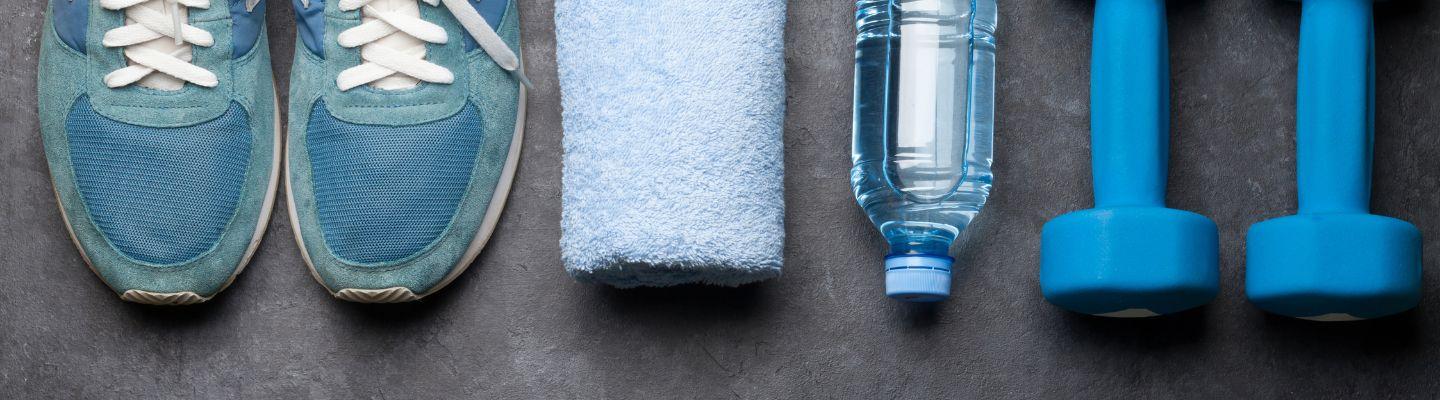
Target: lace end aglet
519,75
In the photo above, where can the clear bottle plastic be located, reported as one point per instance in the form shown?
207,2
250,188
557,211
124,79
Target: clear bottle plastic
924,112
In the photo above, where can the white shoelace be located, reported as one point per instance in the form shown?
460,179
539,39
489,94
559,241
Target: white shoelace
392,44
154,61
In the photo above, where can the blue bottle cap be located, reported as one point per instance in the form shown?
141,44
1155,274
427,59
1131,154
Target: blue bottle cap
918,278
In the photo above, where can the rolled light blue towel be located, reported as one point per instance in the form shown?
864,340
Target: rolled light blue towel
673,114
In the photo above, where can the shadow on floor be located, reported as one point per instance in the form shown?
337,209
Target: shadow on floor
687,301
1182,329
1393,335
177,317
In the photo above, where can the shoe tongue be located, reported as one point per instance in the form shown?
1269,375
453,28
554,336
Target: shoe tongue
398,41
159,81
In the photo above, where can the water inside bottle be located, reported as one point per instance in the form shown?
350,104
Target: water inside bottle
924,106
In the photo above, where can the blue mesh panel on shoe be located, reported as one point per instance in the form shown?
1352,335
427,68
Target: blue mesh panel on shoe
384,193
160,195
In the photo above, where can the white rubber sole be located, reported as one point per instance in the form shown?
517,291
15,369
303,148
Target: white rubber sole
188,298
1130,313
482,236
1333,317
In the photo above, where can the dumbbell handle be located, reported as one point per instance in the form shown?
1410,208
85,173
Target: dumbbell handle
1335,106
1129,103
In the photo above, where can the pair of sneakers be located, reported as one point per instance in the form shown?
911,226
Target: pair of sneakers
163,136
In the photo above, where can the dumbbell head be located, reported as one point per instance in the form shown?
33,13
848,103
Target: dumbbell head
1129,261
1333,266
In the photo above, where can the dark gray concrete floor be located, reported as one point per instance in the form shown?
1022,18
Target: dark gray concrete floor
516,326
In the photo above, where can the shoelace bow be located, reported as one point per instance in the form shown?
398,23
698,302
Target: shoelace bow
149,24
379,61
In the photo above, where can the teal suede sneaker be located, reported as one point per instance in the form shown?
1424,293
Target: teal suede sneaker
159,121
405,129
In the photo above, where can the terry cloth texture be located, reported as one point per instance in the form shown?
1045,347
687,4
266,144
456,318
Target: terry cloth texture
673,114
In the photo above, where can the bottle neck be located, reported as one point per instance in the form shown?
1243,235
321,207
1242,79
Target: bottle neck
921,245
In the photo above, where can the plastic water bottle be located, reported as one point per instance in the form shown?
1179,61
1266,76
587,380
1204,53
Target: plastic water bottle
924,110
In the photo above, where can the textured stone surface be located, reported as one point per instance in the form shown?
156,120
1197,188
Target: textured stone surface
516,326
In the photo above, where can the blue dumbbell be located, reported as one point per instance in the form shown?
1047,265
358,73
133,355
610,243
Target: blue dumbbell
1334,261
1129,256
